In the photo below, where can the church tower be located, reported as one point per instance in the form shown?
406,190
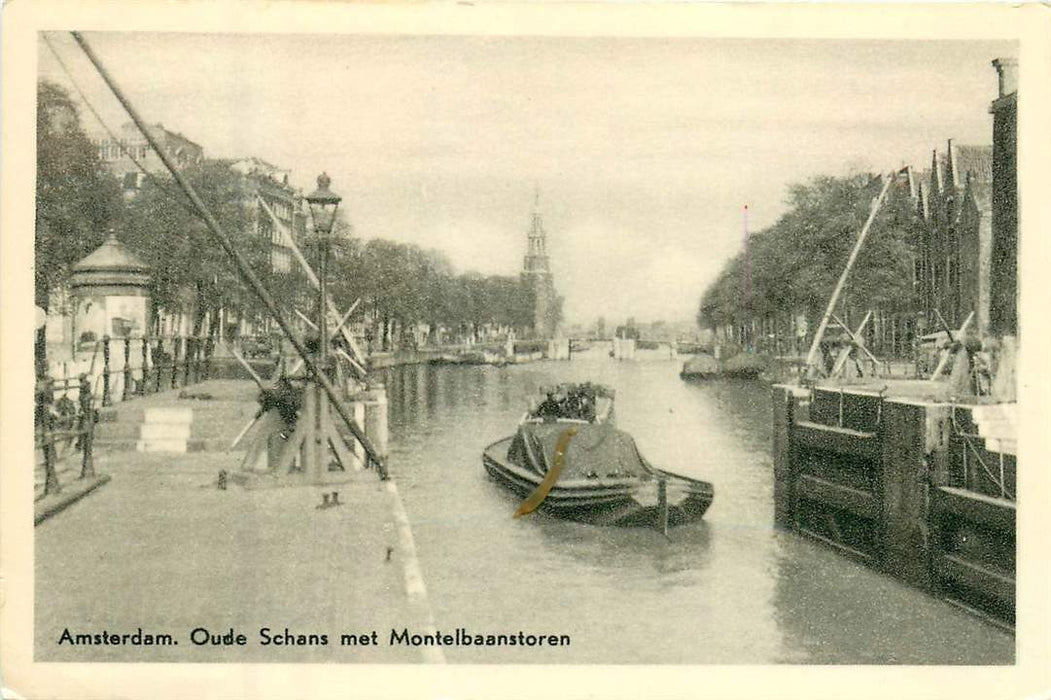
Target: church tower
537,274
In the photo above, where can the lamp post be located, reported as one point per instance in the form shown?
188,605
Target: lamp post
323,205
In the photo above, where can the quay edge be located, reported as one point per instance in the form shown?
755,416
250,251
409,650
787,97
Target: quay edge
902,481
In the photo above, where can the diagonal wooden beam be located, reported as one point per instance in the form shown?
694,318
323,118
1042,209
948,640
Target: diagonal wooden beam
346,317
248,368
289,241
947,353
811,360
855,337
303,317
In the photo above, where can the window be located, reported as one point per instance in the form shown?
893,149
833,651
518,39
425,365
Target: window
280,260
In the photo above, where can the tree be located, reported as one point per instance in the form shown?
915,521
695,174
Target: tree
77,200
167,233
794,264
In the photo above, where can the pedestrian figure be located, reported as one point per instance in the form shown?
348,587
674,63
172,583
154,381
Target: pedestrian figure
222,480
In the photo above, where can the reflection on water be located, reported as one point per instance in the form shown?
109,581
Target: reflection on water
729,589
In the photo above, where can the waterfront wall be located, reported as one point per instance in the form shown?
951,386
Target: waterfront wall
903,485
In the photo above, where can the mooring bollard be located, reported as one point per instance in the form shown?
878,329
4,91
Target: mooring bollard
87,428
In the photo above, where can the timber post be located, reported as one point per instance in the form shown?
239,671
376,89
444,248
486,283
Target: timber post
784,469
662,503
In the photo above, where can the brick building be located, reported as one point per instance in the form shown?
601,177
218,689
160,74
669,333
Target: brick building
956,209
1003,316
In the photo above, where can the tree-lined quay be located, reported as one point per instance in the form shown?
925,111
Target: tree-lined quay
787,271
400,286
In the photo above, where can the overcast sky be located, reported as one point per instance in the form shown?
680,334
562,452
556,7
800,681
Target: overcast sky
645,150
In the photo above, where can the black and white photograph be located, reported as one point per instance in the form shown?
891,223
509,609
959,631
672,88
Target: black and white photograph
418,349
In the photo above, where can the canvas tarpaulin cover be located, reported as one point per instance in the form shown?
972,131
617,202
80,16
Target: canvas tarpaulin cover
595,451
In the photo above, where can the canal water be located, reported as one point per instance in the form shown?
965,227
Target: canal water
729,589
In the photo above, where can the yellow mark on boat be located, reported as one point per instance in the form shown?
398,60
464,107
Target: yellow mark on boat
537,497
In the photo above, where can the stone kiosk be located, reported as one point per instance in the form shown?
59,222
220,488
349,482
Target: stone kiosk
110,289
111,292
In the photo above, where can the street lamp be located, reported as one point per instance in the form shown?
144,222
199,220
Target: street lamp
323,205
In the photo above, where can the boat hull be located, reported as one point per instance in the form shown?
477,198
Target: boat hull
609,501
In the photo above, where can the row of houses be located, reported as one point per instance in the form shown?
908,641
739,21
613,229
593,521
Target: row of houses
262,182
968,257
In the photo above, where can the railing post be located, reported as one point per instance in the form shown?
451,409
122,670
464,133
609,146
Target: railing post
106,400
186,351
209,348
87,428
127,370
196,373
44,397
175,361
141,388
158,351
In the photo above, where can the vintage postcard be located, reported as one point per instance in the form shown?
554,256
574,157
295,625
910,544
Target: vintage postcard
460,350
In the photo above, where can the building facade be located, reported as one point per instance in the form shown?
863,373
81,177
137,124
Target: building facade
1003,316
276,207
121,154
955,206
969,206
